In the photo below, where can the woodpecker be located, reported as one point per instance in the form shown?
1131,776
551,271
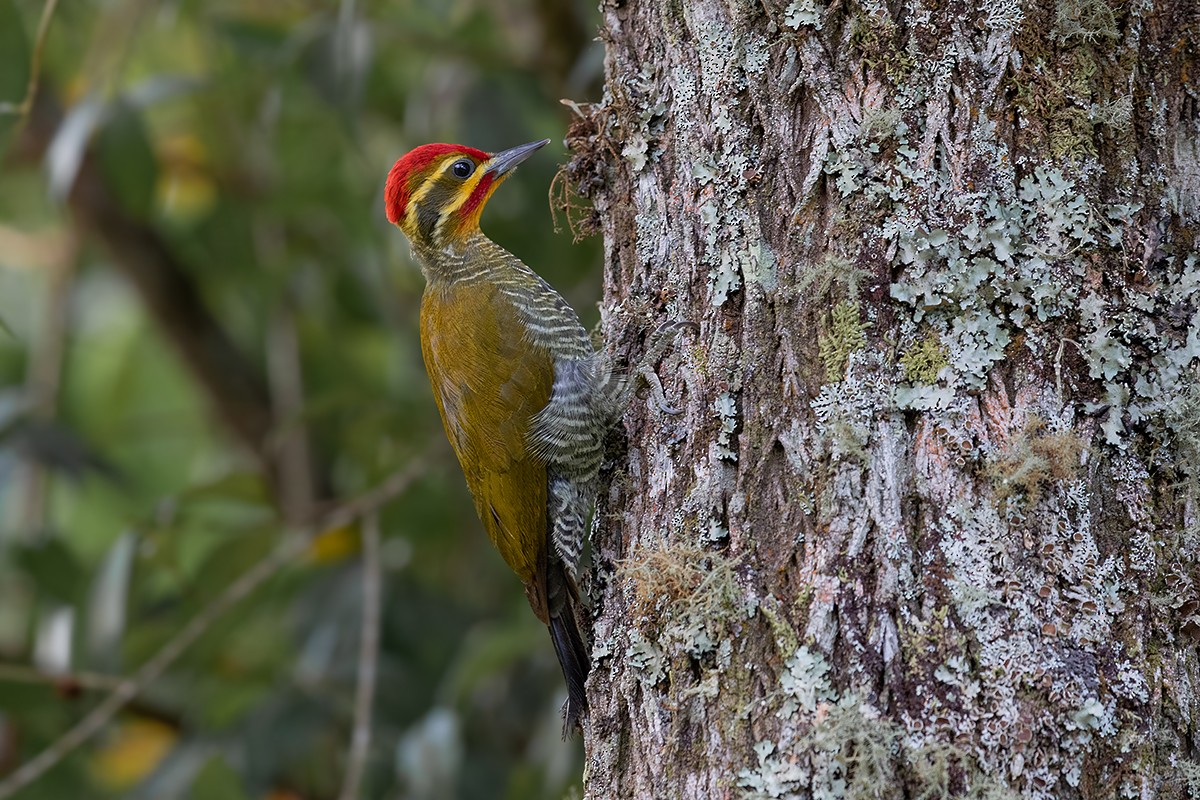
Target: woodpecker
524,398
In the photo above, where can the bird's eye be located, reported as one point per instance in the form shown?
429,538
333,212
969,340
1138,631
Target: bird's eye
463,168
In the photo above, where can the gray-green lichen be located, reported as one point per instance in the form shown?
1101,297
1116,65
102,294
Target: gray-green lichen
978,268
726,406
838,746
640,143
803,12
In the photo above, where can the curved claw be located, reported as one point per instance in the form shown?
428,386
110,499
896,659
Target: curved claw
659,341
657,394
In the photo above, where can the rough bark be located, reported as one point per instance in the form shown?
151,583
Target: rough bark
926,525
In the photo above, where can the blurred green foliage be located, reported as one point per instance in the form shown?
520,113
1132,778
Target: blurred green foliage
251,140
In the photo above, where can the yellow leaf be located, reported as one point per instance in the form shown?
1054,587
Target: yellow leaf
136,748
186,189
334,544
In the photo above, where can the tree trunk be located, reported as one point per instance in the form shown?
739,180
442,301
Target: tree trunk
927,523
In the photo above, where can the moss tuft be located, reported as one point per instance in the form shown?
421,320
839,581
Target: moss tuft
682,583
1086,20
875,36
1032,460
923,362
846,334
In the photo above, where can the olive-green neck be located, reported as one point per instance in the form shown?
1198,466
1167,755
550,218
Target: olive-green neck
470,258
549,320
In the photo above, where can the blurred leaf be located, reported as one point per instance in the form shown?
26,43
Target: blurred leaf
14,55
175,773
229,702
55,447
127,160
488,650
135,748
54,569
186,189
244,488
106,611
54,640
217,781
318,653
256,40
19,698
280,738
225,562
337,60
14,68
65,153
234,502
429,757
160,87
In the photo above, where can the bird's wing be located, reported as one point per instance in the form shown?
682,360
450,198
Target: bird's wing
489,382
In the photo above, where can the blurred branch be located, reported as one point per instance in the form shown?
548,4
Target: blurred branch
252,579
68,681
376,498
368,658
22,108
291,445
129,688
45,374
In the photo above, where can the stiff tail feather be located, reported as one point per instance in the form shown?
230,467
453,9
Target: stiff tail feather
575,663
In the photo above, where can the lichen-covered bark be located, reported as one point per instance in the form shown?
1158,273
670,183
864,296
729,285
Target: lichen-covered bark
926,525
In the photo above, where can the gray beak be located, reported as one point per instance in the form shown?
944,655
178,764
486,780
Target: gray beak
507,160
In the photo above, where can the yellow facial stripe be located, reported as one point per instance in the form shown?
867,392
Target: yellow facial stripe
464,194
414,202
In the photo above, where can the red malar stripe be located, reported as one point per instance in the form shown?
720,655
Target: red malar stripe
473,202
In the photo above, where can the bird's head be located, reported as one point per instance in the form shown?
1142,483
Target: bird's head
436,192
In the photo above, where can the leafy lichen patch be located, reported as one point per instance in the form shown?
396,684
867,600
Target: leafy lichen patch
838,746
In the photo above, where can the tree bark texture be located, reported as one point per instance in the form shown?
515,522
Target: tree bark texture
926,525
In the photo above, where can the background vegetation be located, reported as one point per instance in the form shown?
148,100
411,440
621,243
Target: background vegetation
209,346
